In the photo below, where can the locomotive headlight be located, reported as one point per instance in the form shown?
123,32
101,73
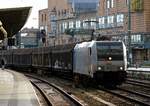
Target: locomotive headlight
121,68
99,68
110,58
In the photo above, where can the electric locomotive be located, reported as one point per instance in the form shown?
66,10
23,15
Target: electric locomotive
104,62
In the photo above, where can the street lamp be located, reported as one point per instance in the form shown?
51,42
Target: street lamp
129,33
92,29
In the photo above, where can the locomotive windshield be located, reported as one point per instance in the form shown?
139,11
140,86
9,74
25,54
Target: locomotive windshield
109,50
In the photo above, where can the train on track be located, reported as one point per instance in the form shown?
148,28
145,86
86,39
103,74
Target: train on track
105,62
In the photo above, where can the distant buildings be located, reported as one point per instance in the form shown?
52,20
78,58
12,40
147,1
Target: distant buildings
81,6
28,38
107,17
60,16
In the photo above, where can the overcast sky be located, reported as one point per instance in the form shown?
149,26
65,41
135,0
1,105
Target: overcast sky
36,5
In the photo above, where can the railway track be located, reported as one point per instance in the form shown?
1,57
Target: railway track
142,87
145,84
129,95
54,95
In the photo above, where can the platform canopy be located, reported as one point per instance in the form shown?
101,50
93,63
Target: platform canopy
13,19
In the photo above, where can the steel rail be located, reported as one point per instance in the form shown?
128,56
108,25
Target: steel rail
134,92
138,83
124,97
43,94
68,95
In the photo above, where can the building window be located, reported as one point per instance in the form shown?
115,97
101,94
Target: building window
64,26
110,3
53,27
52,17
101,22
85,24
60,28
93,23
71,24
110,21
42,18
78,24
136,38
127,2
120,19
147,38
45,17
52,22
137,5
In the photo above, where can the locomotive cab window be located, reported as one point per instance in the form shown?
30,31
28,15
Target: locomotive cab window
112,50
90,51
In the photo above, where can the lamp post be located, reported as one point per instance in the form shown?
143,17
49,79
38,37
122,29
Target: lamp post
92,29
129,33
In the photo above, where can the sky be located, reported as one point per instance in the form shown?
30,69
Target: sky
35,4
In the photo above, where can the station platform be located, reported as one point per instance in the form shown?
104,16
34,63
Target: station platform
139,73
139,69
16,90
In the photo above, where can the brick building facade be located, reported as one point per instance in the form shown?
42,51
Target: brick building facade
109,18
114,22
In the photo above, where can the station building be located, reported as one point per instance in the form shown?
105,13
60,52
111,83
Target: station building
107,17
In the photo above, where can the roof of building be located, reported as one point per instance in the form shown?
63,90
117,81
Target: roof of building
13,19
